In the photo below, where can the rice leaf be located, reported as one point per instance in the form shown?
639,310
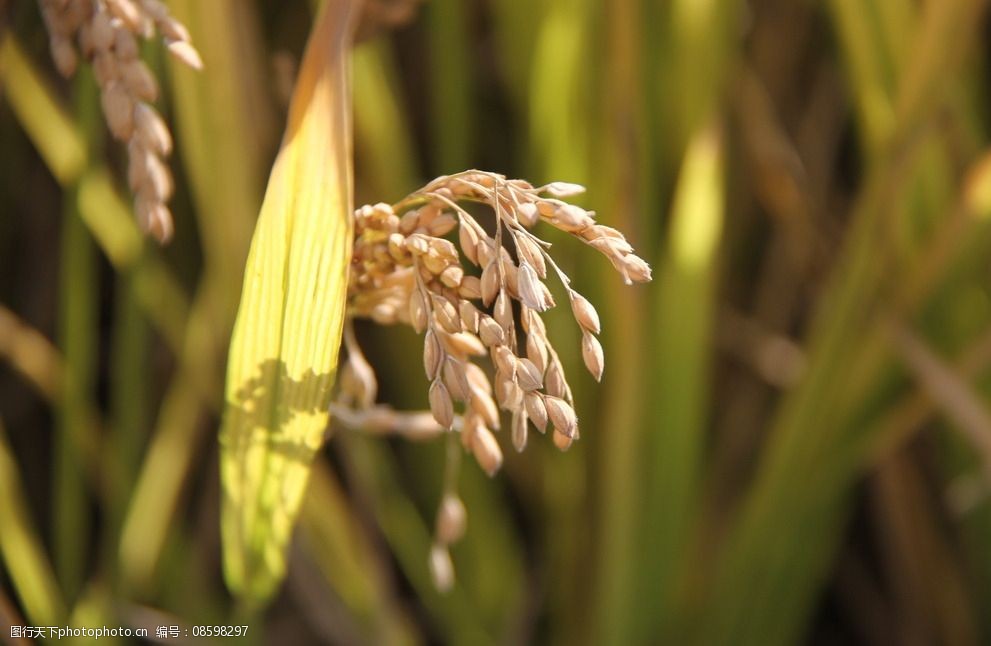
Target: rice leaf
383,146
559,139
47,123
22,550
284,347
685,303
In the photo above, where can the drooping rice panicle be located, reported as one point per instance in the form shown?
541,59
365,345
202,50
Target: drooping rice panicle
405,271
105,33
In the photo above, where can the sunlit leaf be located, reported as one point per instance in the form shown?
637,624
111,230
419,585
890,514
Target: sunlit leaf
284,348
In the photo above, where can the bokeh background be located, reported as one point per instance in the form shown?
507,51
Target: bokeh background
792,440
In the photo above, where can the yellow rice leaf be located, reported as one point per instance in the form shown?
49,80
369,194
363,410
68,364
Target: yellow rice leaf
283,353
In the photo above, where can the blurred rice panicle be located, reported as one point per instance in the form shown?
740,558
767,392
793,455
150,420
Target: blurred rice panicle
106,33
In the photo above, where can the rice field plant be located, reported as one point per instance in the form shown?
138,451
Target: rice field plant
495,322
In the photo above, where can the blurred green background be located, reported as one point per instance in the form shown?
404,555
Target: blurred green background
792,440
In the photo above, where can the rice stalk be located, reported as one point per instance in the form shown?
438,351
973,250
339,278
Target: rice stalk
386,164
451,84
685,313
77,340
625,178
702,42
32,356
129,406
873,86
41,365
560,142
517,27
